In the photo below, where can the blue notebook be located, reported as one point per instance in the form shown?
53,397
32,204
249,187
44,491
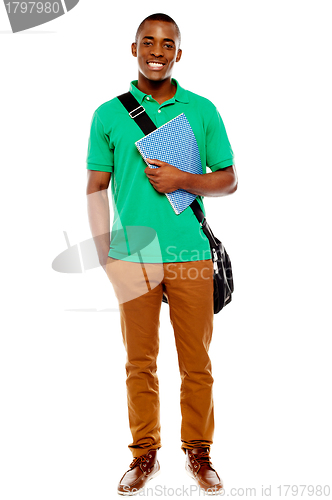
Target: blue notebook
174,143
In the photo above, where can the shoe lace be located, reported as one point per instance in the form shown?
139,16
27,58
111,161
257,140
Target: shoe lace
137,460
203,458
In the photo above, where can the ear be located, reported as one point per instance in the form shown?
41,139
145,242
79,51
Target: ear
134,49
178,57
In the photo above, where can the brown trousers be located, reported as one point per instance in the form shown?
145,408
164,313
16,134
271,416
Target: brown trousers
139,289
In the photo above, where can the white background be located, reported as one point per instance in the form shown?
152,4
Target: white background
64,428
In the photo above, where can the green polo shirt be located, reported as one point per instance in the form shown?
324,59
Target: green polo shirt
145,226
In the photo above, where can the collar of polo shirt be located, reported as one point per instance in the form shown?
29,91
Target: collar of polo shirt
181,94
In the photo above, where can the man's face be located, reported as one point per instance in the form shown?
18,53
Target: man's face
157,50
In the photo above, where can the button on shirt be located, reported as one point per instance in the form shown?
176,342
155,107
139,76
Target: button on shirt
145,226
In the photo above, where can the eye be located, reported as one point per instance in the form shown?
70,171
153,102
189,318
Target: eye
169,46
147,43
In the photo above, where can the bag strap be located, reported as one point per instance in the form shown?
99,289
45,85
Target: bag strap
140,116
195,206
137,113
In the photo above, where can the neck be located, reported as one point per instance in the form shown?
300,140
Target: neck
160,91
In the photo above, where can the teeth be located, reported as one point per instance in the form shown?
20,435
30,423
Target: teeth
156,65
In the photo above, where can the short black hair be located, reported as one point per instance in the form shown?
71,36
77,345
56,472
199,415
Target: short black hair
158,17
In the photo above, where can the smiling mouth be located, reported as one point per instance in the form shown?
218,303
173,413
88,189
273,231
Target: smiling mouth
155,65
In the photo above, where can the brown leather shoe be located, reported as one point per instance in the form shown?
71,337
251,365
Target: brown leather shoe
141,470
200,468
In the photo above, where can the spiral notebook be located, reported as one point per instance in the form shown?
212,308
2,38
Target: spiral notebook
174,143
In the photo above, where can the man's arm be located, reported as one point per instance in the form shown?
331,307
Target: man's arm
98,212
168,178
219,183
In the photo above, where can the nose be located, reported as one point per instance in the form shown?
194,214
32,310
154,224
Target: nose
157,50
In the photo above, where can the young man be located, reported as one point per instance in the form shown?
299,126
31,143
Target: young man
168,253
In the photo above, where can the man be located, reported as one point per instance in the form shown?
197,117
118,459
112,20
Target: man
172,257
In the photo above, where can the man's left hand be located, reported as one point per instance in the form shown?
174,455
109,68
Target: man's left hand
166,178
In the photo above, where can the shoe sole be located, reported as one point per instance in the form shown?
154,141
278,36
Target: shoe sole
206,492
129,493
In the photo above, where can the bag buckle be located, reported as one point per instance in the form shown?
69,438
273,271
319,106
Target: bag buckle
215,259
138,113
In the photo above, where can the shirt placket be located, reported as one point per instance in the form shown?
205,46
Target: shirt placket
157,109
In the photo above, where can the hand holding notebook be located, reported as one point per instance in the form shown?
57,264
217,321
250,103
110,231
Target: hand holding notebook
165,178
175,144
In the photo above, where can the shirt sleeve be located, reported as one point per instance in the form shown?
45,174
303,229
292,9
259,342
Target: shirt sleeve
219,153
100,155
